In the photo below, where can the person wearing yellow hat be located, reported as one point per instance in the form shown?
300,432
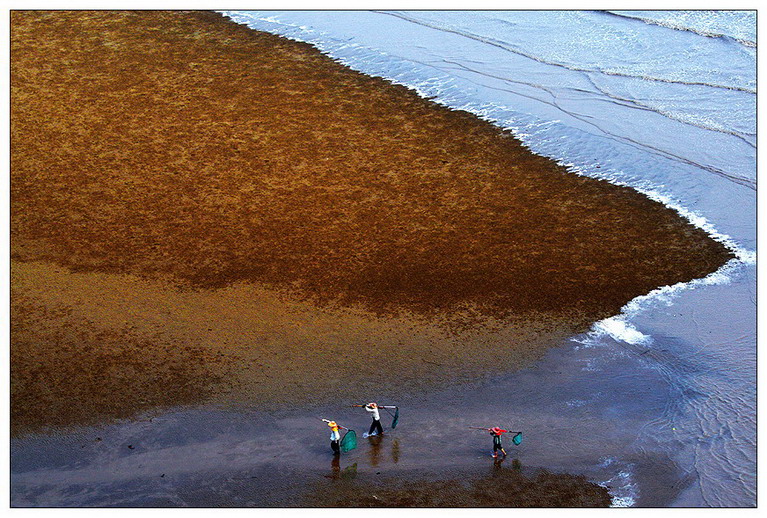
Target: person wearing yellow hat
335,436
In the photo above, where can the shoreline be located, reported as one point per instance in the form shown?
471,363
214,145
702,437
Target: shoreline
479,244
355,62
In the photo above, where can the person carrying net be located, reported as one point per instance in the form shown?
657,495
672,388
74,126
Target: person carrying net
496,433
375,426
335,436
497,445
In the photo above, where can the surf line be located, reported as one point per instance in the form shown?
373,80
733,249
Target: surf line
617,324
509,48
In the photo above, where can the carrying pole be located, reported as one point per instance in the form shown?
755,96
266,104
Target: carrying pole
487,429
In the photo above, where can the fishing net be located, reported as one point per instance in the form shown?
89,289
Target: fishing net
349,442
517,439
396,418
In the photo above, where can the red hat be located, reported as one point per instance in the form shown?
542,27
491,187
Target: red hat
496,430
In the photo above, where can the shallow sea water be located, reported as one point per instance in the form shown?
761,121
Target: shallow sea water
657,403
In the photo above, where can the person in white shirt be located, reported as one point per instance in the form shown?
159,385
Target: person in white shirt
375,426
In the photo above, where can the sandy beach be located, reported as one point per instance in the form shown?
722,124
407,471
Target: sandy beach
201,212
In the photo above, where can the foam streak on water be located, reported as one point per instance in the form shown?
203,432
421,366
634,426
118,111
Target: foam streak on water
663,102
738,25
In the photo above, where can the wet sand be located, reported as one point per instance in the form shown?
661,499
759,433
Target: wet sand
201,212
240,457
504,487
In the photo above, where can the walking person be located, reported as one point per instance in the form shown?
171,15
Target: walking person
335,436
497,433
375,426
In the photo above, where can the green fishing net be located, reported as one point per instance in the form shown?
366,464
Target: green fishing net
396,419
517,439
349,442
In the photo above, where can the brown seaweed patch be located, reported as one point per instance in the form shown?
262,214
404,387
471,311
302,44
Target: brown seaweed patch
220,166
238,345
66,371
172,143
503,488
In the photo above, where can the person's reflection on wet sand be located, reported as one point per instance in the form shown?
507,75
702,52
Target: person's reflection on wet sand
348,472
335,468
374,452
395,451
497,465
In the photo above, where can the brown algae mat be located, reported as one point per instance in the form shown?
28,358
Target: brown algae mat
202,212
502,488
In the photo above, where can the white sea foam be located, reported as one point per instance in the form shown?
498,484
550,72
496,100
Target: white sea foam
622,501
712,24
619,326
443,90
619,329
623,490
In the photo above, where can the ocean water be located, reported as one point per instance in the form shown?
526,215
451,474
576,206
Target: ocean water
663,101
657,403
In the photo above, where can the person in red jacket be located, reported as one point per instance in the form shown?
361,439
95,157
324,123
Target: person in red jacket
496,433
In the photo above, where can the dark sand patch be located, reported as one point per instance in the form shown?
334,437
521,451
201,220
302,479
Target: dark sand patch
503,488
207,158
